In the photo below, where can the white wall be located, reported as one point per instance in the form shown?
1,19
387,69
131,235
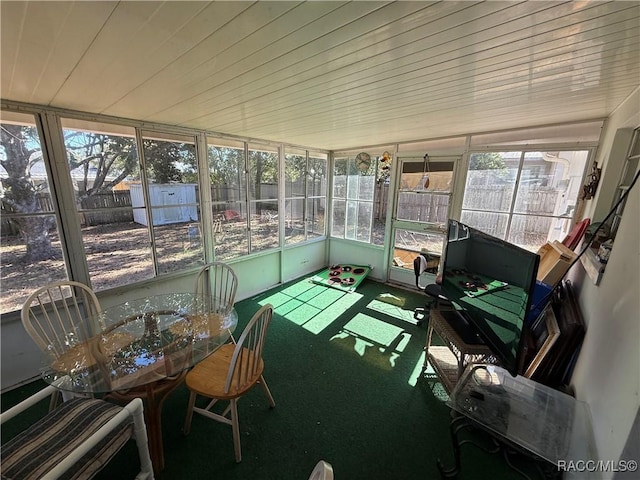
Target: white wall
302,259
607,374
357,253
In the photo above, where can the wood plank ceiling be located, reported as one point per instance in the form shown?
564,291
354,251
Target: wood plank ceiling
325,74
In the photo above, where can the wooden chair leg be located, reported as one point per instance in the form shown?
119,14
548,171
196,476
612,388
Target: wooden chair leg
235,425
267,392
189,417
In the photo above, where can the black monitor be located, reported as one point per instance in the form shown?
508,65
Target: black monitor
491,283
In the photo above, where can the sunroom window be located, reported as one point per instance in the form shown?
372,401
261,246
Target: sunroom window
171,172
30,250
263,163
305,195
360,193
629,171
526,198
228,196
112,196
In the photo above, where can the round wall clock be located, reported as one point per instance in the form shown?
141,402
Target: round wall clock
363,161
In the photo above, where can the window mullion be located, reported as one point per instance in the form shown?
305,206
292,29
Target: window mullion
305,196
247,197
206,202
147,199
54,153
515,194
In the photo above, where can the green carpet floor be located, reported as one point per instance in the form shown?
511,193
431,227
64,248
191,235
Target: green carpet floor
344,370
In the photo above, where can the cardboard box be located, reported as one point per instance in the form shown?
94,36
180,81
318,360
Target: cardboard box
555,260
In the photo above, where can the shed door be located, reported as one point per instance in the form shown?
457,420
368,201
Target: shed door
172,199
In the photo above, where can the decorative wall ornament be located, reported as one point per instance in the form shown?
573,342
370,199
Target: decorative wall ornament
385,167
589,190
426,171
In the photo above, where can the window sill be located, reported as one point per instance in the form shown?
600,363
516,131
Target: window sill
593,266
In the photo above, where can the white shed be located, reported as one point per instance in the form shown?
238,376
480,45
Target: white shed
170,202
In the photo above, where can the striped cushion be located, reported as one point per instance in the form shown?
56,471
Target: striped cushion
40,448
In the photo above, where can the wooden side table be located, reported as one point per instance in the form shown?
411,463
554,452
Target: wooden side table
461,347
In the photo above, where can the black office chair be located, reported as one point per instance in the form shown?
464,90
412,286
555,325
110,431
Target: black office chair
436,300
433,290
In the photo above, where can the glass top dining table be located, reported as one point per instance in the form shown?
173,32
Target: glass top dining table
140,342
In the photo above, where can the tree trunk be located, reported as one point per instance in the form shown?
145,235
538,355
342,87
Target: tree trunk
21,193
35,231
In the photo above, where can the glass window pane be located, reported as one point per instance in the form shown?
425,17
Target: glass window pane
424,191
105,170
316,217
226,171
494,224
338,218
294,221
263,173
340,178
418,177
366,187
264,226
30,250
365,213
549,186
295,167
317,178
231,239
353,186
351,221
408,244
356,181
491,181
550,183
377,234
531,232
172,175
430,208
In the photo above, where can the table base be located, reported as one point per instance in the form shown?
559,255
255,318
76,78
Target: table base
153,395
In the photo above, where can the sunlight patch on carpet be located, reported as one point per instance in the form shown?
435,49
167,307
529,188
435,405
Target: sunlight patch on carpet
373,340
417,371
313,307
300,313
392,310
276,299
373,329
297,288
327,316
326,298
430,378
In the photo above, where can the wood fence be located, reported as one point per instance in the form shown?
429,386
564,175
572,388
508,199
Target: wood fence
97,209
114,207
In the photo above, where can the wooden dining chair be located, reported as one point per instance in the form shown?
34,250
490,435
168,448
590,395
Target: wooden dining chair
229,373
60,315
218,284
